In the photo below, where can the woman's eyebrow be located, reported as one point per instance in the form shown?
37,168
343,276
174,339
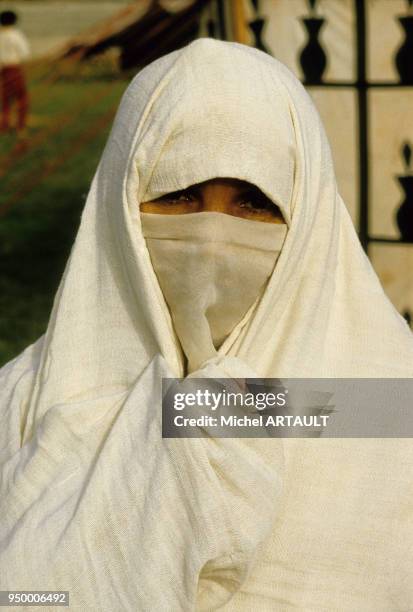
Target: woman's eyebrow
190,189
250,191
253,191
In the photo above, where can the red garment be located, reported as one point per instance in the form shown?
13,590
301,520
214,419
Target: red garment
13,85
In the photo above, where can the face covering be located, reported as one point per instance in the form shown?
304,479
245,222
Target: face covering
212,268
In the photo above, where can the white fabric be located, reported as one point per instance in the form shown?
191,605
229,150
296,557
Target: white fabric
212,269
92,499
14,47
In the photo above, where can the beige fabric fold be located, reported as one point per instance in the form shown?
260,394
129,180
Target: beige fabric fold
212,269
92,499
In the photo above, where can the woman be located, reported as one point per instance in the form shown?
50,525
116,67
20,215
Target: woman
93,500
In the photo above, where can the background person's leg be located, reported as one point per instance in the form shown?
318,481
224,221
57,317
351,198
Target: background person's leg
6,100
22,101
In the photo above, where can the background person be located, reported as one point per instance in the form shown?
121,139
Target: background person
14,49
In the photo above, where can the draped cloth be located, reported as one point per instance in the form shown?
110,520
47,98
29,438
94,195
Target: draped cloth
92,499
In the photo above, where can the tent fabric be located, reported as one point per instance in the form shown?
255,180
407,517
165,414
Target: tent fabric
92,499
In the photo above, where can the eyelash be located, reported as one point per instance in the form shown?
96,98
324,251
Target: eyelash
261,205
173,200
169,199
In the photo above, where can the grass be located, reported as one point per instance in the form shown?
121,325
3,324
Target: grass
43,185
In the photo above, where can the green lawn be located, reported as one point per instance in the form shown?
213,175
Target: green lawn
42,191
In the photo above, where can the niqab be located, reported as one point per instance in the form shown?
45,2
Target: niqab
212,269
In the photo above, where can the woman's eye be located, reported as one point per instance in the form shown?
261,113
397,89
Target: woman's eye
178,197
254,204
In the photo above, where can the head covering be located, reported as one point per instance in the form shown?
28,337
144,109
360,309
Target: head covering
93,498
